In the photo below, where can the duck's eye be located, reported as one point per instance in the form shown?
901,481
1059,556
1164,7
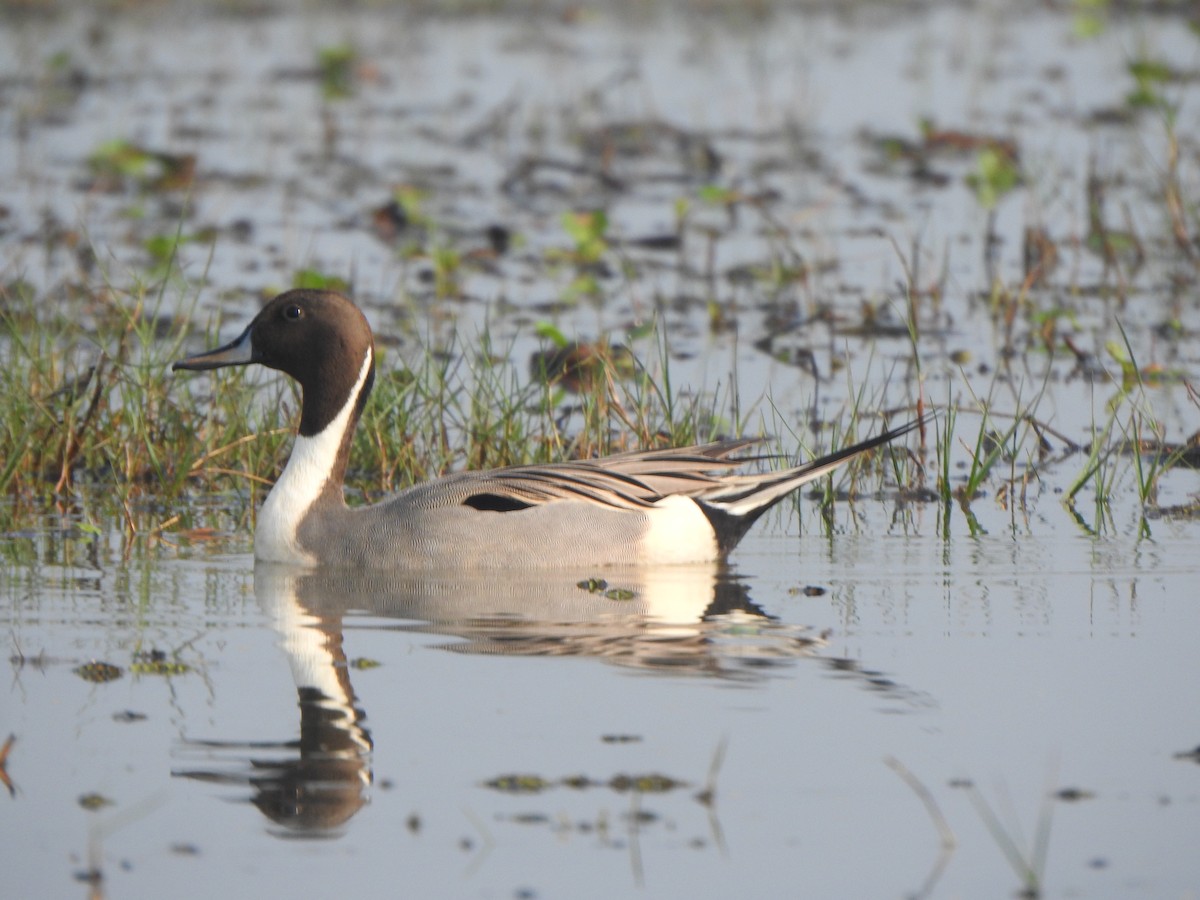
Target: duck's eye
293,312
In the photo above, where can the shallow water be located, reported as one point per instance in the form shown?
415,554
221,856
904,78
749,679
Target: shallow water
671,733
1024,668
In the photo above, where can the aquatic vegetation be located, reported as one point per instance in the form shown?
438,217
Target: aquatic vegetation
1090,17
336,64
588,230
94,801
996,174
621,783
315,279
1149,77
447,267
119,163
98,672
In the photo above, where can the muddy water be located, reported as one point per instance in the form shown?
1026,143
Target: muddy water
681,733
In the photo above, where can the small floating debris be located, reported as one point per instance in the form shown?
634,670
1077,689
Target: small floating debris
159,667
98,672
1193,755
4,779
1073,795
600,586
362,663
155,662
94,801
92,876
652,783
809,590
519,784
529,818
645,784
621,738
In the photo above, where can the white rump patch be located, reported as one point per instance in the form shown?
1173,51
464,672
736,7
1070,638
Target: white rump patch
303,479
679,532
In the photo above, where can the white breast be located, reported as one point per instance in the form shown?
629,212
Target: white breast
304,477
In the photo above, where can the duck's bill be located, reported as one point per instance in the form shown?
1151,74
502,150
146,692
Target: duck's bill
238,352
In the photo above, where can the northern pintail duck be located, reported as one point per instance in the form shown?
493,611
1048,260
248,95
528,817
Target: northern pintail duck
682,505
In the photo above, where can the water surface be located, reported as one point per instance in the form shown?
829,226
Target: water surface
764,729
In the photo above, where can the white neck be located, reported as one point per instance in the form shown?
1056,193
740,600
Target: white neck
304,477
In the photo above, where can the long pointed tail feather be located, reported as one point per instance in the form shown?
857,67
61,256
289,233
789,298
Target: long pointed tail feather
736,507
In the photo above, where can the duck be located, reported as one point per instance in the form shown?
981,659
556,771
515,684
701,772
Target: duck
684,505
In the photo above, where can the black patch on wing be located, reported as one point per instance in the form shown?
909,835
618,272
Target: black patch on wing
495,503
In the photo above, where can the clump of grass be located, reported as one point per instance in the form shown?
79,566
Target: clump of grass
473,407
1130,430
88,404
589,233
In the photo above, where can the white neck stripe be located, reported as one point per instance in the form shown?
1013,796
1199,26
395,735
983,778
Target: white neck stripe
307,472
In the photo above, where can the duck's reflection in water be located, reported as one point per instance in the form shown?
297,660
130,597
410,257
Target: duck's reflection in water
683,620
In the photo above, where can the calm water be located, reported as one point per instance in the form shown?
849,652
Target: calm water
678,733
1024,668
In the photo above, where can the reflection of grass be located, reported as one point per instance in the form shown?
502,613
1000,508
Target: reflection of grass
1029,867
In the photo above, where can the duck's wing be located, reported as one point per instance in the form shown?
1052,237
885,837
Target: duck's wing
625,481
640,479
